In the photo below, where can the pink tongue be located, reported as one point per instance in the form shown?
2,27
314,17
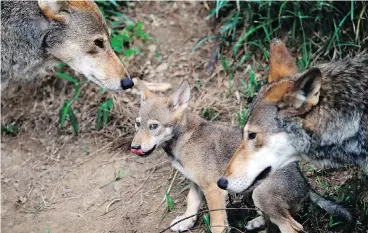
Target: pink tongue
137,152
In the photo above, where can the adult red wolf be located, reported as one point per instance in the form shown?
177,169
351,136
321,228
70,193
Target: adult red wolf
320,115
35,36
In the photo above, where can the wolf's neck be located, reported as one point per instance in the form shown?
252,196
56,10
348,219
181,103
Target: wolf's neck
182,131
24,54
324,153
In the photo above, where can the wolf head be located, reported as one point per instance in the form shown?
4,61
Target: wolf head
78,35
158,117
272,136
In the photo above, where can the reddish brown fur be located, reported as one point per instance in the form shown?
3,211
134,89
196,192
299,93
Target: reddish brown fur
88,6
282,64
228,170
49,14
278,92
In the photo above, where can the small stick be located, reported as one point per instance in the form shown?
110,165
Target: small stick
143,182
168,191
112,202
76,165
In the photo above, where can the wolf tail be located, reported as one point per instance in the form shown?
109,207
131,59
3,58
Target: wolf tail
331,207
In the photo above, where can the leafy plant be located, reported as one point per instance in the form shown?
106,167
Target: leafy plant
117,177
169,202
103,113
66,112
210,114
242,118
333,223
9,130
207,223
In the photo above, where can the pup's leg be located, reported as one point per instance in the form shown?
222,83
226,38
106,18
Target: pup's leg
256,223
195,200
216,199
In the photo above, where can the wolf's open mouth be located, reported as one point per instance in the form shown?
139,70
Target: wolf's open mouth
260,177
143,154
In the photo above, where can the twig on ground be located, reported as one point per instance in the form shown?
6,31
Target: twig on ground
112,202
168,191
143,182
89,157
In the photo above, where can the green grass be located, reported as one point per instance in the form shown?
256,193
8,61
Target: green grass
314,32
318,31
11,130
169,205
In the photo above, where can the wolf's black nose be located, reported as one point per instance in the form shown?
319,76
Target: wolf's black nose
135,147
126,83
222,183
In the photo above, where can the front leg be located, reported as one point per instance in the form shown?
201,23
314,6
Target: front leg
216,199
195,200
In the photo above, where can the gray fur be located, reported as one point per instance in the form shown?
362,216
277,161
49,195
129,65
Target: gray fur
24,52
201,151
34,40
342,113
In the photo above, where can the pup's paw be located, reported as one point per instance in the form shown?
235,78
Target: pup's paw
256,223
183,225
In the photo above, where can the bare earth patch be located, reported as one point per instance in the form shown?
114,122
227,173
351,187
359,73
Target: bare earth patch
53,181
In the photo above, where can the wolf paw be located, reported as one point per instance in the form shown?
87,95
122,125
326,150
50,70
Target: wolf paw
255,223
183,225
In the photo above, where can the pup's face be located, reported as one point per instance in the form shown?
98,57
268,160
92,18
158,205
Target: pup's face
157,119
83,42
154,126
268,141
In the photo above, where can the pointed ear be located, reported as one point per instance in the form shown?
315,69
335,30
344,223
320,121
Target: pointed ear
145,92
53,9
307,88
304,94
180,98
282,64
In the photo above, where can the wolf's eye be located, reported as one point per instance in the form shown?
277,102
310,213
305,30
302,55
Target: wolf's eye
252,136
99,43
153,126
138,123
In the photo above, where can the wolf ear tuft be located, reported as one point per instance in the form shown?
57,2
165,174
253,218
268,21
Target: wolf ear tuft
307,88
52,9
304,96
181,96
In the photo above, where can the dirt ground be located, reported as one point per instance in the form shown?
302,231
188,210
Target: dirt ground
53,181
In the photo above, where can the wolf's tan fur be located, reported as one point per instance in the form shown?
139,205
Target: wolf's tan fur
319,115
200,150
